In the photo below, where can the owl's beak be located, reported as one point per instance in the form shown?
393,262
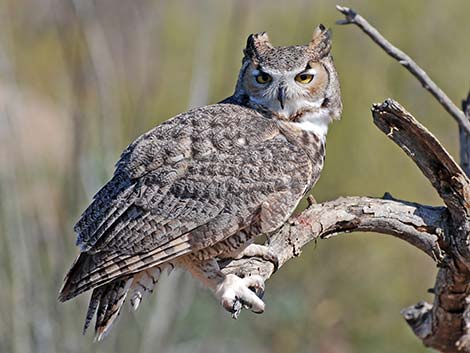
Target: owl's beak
281,95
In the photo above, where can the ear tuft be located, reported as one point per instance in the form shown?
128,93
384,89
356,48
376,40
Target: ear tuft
321,41
256,44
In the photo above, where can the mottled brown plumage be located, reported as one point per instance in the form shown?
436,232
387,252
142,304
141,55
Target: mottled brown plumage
203,184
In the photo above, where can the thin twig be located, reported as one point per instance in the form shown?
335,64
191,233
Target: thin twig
352,17
466,105
465,139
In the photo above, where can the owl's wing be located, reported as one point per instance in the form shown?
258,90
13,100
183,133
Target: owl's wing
184,186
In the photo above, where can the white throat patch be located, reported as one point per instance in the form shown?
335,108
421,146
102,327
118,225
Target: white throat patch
316,122
315,119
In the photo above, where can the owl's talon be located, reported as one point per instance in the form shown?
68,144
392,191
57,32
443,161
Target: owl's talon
236,308
259,292
236,293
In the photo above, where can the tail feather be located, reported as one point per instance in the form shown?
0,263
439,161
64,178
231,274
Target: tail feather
106,301
96,270
94,302
111,301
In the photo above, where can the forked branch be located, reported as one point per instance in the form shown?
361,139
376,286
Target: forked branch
430,229
422,226
351,17
429,155
438,167
445,325
440,232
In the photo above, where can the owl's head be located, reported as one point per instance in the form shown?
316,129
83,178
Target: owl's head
288,81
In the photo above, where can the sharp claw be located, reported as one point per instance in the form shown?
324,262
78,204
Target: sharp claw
259,291
245,305
236,294
236,308
235,314
249,306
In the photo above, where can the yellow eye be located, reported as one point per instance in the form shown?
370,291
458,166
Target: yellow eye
304,78
263,78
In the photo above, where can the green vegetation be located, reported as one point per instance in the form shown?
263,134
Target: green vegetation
79,80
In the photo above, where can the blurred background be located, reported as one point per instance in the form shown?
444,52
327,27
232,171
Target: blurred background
80,79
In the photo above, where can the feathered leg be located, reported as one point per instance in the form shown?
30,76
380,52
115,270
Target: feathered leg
145,282
110,302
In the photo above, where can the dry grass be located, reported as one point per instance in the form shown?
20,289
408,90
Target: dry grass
79,80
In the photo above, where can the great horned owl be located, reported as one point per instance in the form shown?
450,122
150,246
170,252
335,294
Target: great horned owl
203,185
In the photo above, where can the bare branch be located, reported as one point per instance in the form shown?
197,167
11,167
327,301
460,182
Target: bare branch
436,164
444,325
419,318
465,139
421,226
466,105
464,341
426,151
351,17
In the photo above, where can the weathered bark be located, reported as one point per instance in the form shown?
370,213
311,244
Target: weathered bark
440,232
442,325
437,166
464,341
421,226
434,230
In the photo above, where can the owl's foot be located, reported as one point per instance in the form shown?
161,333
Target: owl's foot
236,293
257,250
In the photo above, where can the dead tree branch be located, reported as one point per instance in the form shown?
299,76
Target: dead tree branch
429,155
437,166
445,325
465,139
464,341
421,226
440,232
351,17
